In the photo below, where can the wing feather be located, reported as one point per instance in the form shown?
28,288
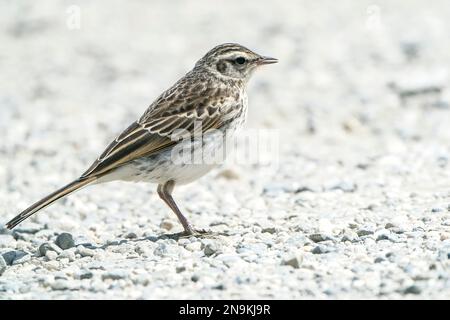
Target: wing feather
154,130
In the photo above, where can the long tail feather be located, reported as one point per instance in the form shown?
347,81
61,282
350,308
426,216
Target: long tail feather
48,200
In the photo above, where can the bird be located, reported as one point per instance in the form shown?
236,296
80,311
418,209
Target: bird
199,113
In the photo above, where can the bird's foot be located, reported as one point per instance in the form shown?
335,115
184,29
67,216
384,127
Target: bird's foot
191,232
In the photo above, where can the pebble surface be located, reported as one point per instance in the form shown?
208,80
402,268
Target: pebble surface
357,204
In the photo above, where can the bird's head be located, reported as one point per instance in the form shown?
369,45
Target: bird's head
233,61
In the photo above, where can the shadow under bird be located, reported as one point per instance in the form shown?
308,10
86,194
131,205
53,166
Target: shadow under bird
213,94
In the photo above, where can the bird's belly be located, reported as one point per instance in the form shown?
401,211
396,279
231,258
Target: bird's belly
183,163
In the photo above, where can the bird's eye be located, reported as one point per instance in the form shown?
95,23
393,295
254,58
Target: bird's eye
240,60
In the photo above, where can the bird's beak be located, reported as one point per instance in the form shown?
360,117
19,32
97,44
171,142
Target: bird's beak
266,60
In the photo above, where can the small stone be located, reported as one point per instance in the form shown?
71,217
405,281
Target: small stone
131,235
85,252
219,287
294,262
364,232
383,236
210,249
318,237
379,260
30,228
52,265
10,257
229,174
21,257
45,247
60,285
180,269
413,290
166,225
86,275
195,278
397,230
51,255
350,235
3,265
389,225
115,275
320,250
194,246
270,230
65,241
67,254
96,265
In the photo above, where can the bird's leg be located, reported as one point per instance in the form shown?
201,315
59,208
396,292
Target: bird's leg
165,193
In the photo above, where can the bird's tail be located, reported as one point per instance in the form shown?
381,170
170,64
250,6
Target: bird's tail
48,200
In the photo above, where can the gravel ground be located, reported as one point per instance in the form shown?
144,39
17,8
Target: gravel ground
354,205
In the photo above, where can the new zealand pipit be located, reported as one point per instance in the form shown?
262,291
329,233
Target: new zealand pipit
210,97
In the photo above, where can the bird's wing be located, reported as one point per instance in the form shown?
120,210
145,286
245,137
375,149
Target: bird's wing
156,129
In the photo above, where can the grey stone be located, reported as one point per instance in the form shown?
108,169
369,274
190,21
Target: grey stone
43,248
389,225
364,232
21,257
3,265
318,237
86,275
414,289
270,230
10,256
294,262
320,249
115,275
6,231
29,227
131,235
180,269
383,236
65,241
210,249
195,278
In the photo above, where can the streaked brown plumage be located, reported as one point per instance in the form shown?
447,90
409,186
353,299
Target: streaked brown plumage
213,94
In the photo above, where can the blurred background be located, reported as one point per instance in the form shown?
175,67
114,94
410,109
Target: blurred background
360,99
359,85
